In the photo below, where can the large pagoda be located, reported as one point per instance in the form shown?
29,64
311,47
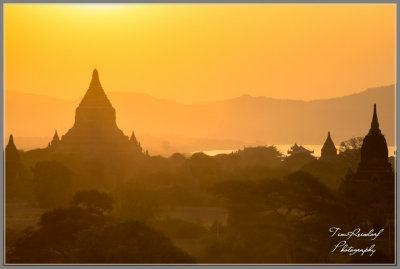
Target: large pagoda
95,133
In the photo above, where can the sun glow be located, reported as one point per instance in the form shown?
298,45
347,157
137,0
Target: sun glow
102,9
193,53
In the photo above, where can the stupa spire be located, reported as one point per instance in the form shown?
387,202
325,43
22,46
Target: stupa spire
12,154
375,123
328,149
329,141
55,137
95,83
135,143
95,95
11,143
133,137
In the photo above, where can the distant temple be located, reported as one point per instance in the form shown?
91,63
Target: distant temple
55,140
13,168
328,150
11,152
136,144
295,150
95,133
374,163
298,156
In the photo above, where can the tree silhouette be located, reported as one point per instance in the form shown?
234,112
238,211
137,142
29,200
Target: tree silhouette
278,212
93,200
127,242
55,238
350,151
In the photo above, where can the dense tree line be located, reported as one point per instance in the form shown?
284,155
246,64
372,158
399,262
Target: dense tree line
279,209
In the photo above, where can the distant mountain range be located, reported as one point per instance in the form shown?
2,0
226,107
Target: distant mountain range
165,125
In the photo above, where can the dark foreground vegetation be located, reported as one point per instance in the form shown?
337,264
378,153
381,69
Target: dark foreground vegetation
251,206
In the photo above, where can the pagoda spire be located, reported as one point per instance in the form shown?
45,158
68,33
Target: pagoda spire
329,141
95,95
135,143
12,154
375,123
55,137
11,144
328,149
133,137
55,140
95,83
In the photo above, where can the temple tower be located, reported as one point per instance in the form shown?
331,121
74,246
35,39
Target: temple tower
369,193
95,133
374,164
135,144
55,140
13,169
11,152
328,150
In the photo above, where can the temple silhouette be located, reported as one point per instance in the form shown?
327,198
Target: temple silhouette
298,150
374,163
371,190
364,197
95,133
328,150
13,160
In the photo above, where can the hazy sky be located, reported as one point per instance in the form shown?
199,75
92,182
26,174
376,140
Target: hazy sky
192,53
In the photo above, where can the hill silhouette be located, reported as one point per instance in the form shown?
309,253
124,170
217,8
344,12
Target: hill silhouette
238,121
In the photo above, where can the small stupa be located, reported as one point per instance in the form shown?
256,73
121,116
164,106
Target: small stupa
11,152
55,140
328,150
12,162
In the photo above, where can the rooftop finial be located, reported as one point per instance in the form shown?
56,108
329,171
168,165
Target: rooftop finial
375,123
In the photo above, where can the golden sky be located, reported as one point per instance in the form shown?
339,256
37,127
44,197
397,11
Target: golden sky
192,53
